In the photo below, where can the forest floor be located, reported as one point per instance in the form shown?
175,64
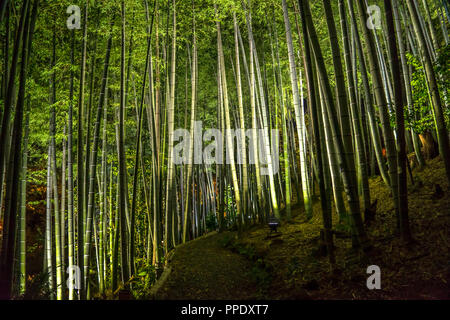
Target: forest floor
290,265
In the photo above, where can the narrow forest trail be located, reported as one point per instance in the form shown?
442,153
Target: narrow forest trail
205,269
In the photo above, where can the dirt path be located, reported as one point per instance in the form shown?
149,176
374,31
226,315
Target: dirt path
204,269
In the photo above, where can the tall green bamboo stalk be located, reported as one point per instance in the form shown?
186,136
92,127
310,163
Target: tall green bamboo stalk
80,158
192,126
360,236
70,206
406,79
229,142
243,151
373,126
359,145
381,101
299,116
170,122
23,209
93,165
400,121
56,208
122,163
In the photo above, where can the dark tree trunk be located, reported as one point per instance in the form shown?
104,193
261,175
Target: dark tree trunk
400,121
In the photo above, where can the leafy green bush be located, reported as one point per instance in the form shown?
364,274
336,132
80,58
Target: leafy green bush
420,117
143,280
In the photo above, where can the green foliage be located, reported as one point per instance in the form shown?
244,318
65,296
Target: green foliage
420,118
442,67
211,222
37,176
143,280
230,206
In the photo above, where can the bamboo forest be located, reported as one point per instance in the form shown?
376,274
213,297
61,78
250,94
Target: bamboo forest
224,149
